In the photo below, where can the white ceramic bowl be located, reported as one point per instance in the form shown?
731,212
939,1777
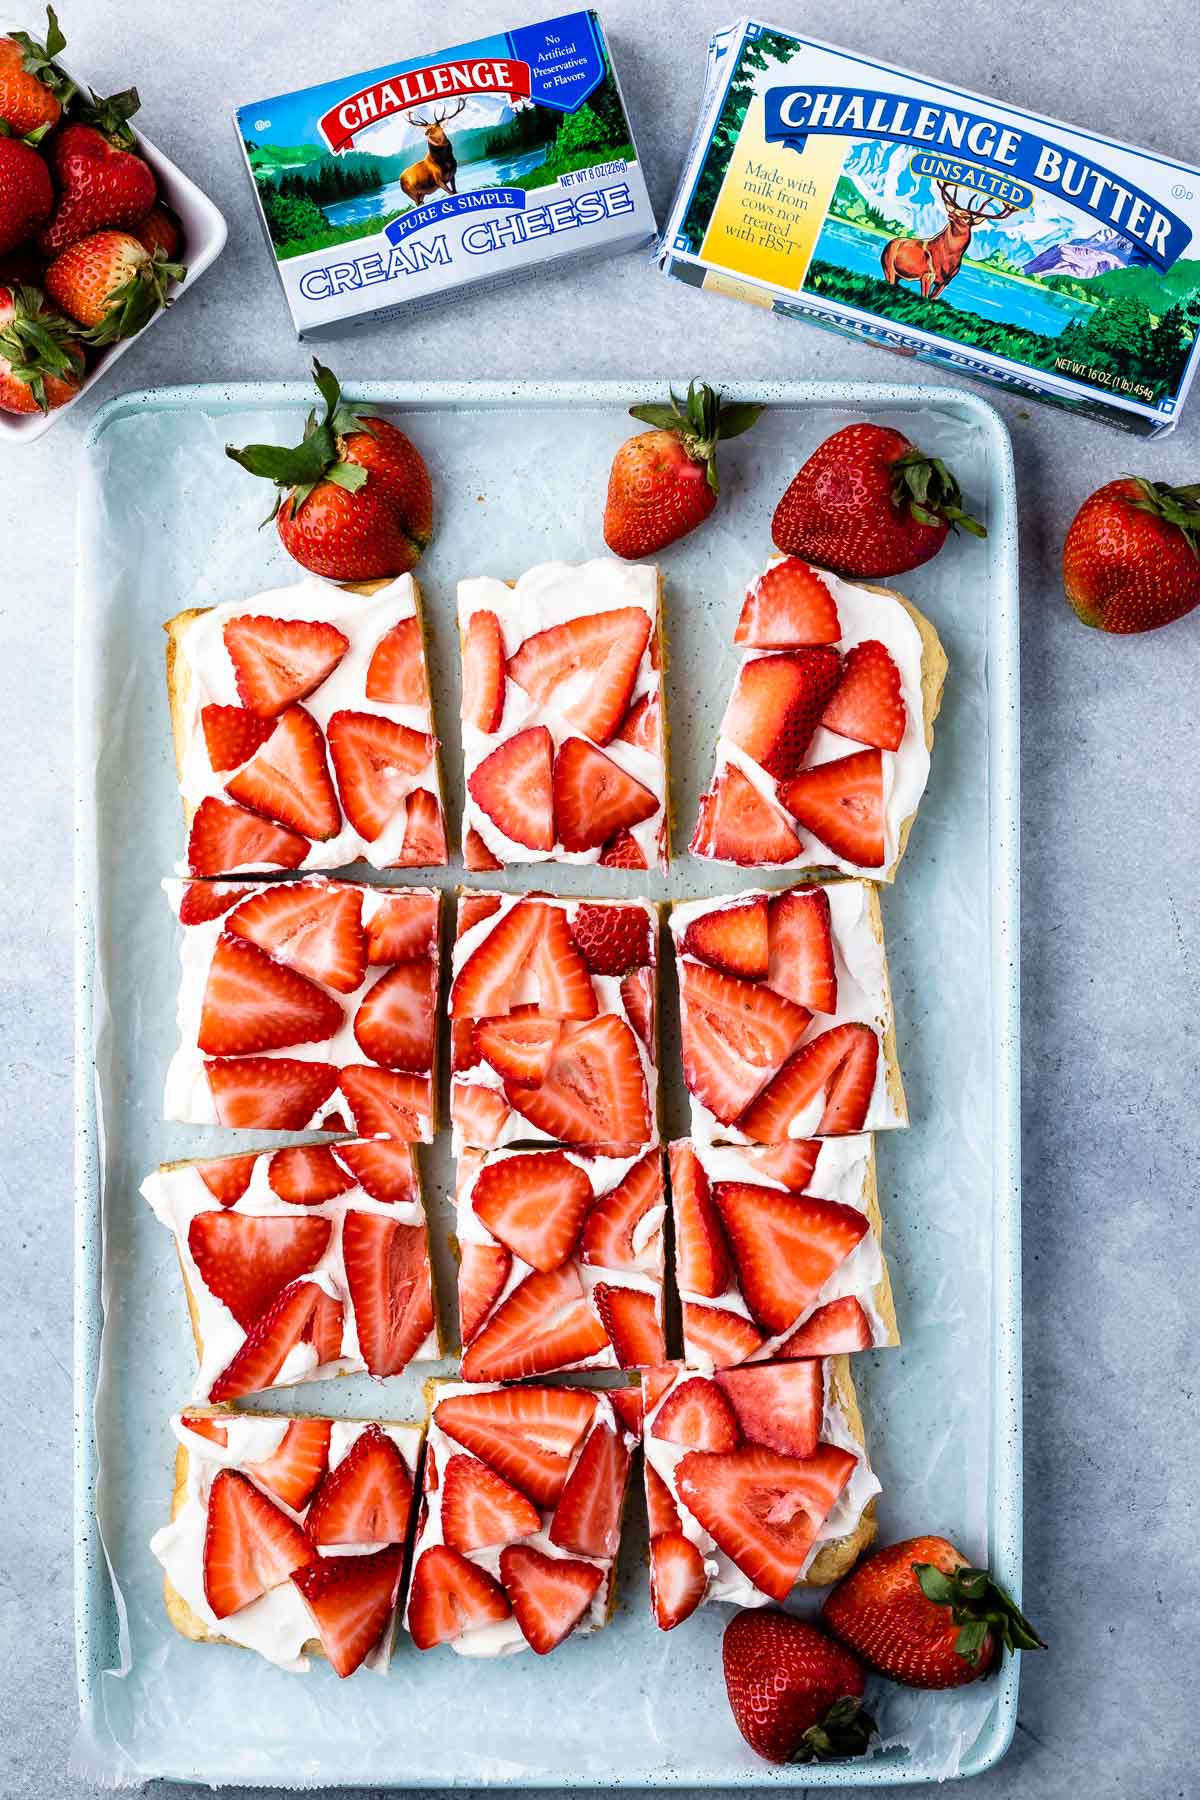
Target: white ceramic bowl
204,232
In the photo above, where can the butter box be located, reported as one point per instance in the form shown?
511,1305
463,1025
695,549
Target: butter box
384,191
943,225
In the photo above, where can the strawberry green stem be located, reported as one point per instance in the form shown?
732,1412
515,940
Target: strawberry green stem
320,455
978,1605
39,59
1178,506
700,422
846,1730
926,487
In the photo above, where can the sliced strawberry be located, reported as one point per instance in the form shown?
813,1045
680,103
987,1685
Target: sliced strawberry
642,725
587,1518
697,1414
622,852
396,671
395,1023
655,1383
382,1168
296,1316
528,1435
546,1323
594,797
450,1596
250,1546
867,704
535,1203
777,1404
253,1003
269,1093
638,997
424,842
228,1177
464,1051
206,1427
367,1498
204,900
246,1261
478,1114
661,1510
627,1404
519,1045
841,803
611,1236
278,661
787,605
374,764
701,1257
802,964
737,825
350,1600
565,989
387,1272
841,1064
288,779
611,939
731,938
792,1163
314,927
306,1175
678,1582
480,1510
736,1034
549,1594
232,735
473,909
402,928
513,786
386,1103
776,706
594,1091
476,855
838,1328
764,1510
294,1469
429,1478
224,838
786,1246
483,672
631,1320
721,1336
482,1273
585,668
483,985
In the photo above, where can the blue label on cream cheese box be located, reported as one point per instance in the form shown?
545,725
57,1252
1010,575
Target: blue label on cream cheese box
942,224
385,190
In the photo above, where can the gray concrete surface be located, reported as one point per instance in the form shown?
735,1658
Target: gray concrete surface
1111,817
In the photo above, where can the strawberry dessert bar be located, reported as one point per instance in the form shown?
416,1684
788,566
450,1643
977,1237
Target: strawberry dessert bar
786,1014
823,753
303,730
306,1005
301,1263
287,1535
563,721
757,1480
553,1021
777,1250
520,1521
561,1261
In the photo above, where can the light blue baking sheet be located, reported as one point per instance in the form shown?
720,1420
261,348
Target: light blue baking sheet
167,522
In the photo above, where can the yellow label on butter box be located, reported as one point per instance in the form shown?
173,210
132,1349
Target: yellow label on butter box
771,206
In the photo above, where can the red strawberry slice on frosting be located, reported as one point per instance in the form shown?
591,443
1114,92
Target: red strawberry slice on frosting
294,1470
232,734
529,1435
381,1168
250,1545
482,1273
278,661
777,1404
546,1323
838,1328
451,1596
224,838
387,1273
564,986
627,1404
402,928
587,1519
801,954
611,939
478,1115
269,1093
614,1236
722,1336
661,1511
622,852
388,1102
701,1257
228,1177
841,803
306,1175
519,1045
246,1261
424,843
788,605
395,1023
302,1313
535,1204
367,1498
484,984
737,825
480,1510
314,927
375,765
206,1427
594,797
549,1594
350,1600
841,1064
642,725
764,1510
205,900
253,1003
736,1034
288,779
732,938
476,855
786,1246
631,1320
585,668
792,1164
638,997
776,706
678,1582
697,1414
513,786
868,704
396,671
594,1091
483,672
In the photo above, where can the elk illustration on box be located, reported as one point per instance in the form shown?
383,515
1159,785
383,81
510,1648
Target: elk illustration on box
933,262
437,168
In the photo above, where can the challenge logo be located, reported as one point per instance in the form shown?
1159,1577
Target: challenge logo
439,81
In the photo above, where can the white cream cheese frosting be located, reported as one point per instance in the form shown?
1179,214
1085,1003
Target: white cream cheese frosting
364,619
277,1624
552,594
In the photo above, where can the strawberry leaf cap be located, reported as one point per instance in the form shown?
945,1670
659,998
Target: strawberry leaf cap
1179,506
34,343
132,305
930,492
977,1605
39,59
700,422
320,456
846,1730
110,114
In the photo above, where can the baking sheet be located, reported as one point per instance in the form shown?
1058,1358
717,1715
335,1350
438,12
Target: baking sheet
519,471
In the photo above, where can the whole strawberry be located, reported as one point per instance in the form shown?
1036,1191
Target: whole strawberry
794,1692
41,362
1131,559
663,483
26,193
867,504
920,1614
102,184
160,230
355,501
111,284
33,91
